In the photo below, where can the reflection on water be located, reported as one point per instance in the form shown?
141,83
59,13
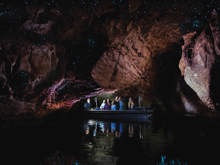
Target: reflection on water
97,128
125,143
169,140
102,140
165,161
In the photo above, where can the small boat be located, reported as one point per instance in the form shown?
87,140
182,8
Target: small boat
137,115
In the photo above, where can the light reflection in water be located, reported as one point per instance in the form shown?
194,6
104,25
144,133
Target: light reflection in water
102,138
179,140
93,142
165,161
113,128
130,143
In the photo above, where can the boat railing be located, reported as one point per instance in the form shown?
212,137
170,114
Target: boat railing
148,109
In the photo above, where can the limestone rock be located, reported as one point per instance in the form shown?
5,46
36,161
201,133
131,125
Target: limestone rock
200,61
54,53
123,65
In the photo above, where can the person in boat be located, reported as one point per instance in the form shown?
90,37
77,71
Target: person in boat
102,105
113,107
87,104
96,104
107,105
121,104
130,103
117,102
140,101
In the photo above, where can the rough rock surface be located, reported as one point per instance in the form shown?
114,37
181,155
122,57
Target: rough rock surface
124,64
52,54
199,60
131,59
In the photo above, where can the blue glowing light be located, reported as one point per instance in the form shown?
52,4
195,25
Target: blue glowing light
117,3
2,13
165,161
196,23
27,2
91,43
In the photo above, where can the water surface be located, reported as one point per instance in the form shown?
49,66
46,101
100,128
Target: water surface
62,140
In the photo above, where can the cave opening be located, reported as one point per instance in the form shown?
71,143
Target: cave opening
83,56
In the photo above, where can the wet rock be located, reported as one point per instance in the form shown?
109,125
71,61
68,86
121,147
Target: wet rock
189,100
134,5
38,23
14,107
63,52
134,58
200,61
39,60
124,64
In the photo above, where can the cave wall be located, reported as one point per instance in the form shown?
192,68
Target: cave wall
53,54
200,62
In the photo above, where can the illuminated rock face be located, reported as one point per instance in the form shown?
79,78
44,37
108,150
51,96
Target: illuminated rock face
62,52
200,62
38,60
134,59
124,64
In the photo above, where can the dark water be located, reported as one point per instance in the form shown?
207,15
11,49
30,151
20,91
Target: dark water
67,140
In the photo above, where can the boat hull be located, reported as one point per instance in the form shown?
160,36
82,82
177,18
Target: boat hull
125,115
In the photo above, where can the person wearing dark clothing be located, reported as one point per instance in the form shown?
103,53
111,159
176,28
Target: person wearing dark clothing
107,105
87,105
117,102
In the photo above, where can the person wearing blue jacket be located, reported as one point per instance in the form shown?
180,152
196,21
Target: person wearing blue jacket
113,107
121,104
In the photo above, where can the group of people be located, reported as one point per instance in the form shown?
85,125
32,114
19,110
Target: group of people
115,104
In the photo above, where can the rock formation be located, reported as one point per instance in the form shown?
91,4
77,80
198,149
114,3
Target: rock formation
200,61
53,54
